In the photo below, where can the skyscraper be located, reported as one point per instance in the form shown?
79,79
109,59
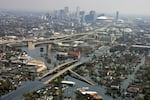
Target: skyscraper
82,14
117,16
62,13
66,10
78,12
91,17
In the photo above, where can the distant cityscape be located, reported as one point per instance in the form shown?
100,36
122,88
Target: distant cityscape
66,55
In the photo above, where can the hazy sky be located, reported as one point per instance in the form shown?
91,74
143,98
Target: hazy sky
101,6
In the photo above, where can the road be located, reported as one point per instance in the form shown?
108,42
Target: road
55,68
131,77
82,77
24,88
62,71
34,85
103,48
53,38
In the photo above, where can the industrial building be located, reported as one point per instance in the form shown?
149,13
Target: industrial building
68,55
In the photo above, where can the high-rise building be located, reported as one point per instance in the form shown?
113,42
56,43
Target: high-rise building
82,14
62,13
91,17
117,16
66,10
48,16
78,12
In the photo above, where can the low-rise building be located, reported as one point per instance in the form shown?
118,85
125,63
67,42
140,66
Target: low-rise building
74,55
36,66
133,89
65,55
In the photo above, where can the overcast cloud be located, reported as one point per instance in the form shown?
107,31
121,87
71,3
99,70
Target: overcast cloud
102,6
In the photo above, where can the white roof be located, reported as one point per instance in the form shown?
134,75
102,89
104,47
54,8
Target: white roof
78,42
102,18
89,92
68,82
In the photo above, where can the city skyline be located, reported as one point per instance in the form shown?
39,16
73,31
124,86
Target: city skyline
138,7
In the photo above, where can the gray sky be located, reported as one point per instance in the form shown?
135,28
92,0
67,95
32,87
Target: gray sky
141,7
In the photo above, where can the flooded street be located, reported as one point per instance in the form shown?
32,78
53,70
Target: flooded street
29,86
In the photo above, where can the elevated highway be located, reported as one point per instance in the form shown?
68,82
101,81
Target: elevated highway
55,69
62,72
81,77
50,39
65,70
